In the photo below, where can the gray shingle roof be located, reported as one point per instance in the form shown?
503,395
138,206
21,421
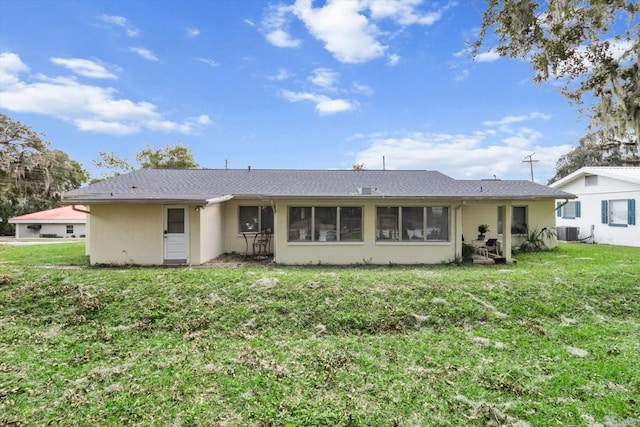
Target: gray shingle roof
200,185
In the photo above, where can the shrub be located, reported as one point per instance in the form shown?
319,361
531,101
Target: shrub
535,239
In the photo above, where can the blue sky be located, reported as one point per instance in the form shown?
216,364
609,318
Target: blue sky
285,84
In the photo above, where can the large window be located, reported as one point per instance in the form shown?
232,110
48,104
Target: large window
412,224
619,212
518,220
253,219
320,224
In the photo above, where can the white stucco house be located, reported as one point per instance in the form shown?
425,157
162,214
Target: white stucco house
61,222
605,210
161,216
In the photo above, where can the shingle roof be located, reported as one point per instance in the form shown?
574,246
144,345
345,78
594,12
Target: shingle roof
200,185
65,213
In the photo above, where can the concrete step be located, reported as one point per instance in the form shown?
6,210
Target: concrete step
483,260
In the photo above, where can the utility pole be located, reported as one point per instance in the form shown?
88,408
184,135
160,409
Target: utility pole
531,162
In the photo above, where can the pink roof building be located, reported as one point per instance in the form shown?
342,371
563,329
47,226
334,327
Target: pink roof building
61,222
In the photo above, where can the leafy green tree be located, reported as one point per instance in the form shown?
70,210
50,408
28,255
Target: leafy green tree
588,153
591,47
169,157
109,161
32,177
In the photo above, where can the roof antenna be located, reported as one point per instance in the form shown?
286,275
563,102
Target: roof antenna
226,164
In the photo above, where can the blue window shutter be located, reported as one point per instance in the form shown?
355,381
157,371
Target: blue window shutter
604,211
632,212
558,209
577,209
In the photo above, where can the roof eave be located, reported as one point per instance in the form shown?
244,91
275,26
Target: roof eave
124,201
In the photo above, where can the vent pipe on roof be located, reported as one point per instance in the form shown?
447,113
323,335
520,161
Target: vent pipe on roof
249,168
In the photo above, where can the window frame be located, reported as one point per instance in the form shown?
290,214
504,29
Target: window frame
315,234
629,212
514,229
571,214
69,227
398,232
260,226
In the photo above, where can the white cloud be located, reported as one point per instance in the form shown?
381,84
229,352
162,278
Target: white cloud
462,75
10,67
323,104
393,60
508,120
488,56
249,22
347,28
275,24
476,155
145,53
280,38
282,74
84,67
88,107
192,32
121,21
209,62
102,126
203,119
401,11
346,33
361,89
326,78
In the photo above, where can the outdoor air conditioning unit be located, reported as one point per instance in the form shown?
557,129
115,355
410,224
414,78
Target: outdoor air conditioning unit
568,234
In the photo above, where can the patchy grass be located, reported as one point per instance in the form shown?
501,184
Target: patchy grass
551,340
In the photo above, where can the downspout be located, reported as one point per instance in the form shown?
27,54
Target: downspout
457,246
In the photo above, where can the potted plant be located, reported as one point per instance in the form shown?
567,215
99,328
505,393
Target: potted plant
482,228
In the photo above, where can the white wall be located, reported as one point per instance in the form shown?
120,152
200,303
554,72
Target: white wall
212,232
126,234
590,198
22,232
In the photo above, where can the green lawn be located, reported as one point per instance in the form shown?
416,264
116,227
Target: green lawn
551,340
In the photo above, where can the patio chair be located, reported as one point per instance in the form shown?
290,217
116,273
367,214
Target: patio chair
491,246
262,244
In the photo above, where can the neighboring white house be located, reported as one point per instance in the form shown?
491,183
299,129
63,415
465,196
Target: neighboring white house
61,222
605,211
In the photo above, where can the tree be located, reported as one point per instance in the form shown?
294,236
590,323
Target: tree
589,153
32,177
169,157
592,47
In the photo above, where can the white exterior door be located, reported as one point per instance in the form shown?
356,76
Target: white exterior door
176,235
